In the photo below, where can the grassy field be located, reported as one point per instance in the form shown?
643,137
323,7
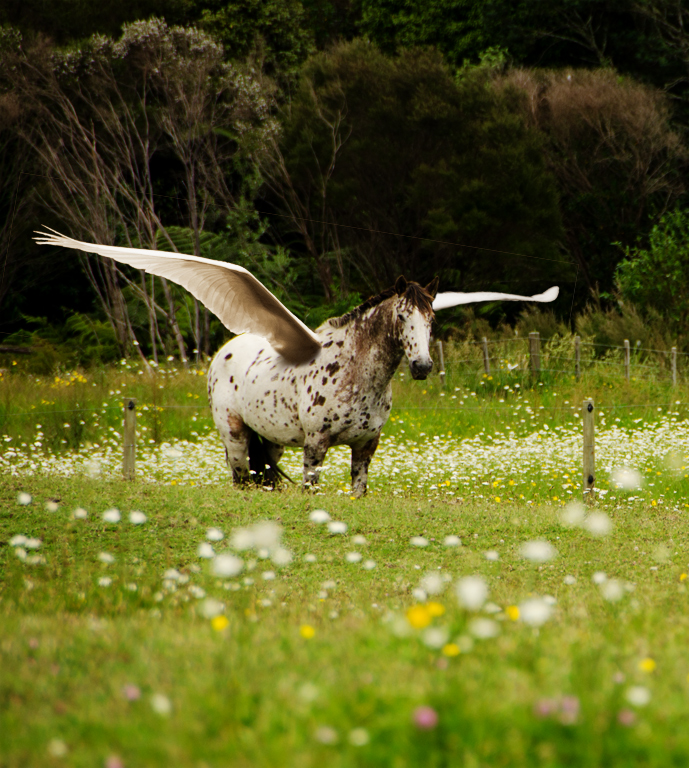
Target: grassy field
465,614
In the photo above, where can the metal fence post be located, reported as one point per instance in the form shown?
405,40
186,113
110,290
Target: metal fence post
674,366
486,356
129,456
577,357
626,359
589,478
535,352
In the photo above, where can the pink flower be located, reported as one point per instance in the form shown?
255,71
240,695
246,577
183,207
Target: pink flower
626,717
131,692
425,718
114,761
545,707
569,710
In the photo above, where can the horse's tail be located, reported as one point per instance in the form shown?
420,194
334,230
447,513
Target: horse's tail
264,470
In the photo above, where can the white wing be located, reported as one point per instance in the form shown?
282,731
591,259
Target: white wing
445,300
240,301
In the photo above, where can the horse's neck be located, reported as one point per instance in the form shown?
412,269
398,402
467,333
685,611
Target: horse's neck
373,348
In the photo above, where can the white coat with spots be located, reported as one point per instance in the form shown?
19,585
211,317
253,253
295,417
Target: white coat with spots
342,397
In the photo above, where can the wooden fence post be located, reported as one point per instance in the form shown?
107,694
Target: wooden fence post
674,366
577,357
129,456
486,356
626,359
589,479
441,372
535,352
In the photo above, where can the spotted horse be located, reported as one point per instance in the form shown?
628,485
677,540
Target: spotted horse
261,402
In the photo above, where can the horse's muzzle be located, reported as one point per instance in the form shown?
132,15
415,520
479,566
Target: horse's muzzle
420,369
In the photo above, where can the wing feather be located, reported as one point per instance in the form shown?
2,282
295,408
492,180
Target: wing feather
450,299
241,302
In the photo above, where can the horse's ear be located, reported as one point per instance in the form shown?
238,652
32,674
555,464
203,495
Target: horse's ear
401,285
432,287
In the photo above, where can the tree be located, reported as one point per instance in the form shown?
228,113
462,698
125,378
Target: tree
610,143
382,157
657,277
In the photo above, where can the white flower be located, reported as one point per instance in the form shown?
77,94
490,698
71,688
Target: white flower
106,557
492,608
198,592
80,514
483,629
32,543
353,557
268,575
112,515
172,574
20,552
227,565
432,583
319,516
599,577
23,498
369,565
418,541
359,540
57,748
573,514
172,453
242,539
452,541
104,581
161,704
205,550
131,586
137,518
210,608
538,551
335,526
18,540
359,737
435,637
267,535
419,595
472,592
309,558
214,534
612,590
326,735
569,580
281,557
535,611
51,506
638,695
491,555
626,478
598,524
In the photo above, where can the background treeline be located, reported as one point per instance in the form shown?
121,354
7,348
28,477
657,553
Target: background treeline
329,146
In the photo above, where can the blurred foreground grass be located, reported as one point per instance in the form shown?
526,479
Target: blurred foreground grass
122,664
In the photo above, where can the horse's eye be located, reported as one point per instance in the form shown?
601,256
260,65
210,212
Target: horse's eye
401,318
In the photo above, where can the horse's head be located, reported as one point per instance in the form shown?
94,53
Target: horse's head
413,317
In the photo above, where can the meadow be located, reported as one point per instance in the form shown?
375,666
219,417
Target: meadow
468,611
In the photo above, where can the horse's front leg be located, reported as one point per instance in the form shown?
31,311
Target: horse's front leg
361,458
315,447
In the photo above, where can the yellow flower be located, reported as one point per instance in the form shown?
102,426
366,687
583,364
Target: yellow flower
683,577
497,499
647,665
511,482
419,616
451,649
307,631
496,483
654,503
435,609
512,611
219,623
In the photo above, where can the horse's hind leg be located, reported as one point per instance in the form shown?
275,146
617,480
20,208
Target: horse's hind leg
361,458
235,435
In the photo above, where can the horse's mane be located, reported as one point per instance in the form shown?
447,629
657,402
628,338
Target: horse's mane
415,294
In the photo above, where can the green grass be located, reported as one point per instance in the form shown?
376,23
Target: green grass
257,693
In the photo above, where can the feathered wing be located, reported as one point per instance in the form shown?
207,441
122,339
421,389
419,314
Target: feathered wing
234,295
446,300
